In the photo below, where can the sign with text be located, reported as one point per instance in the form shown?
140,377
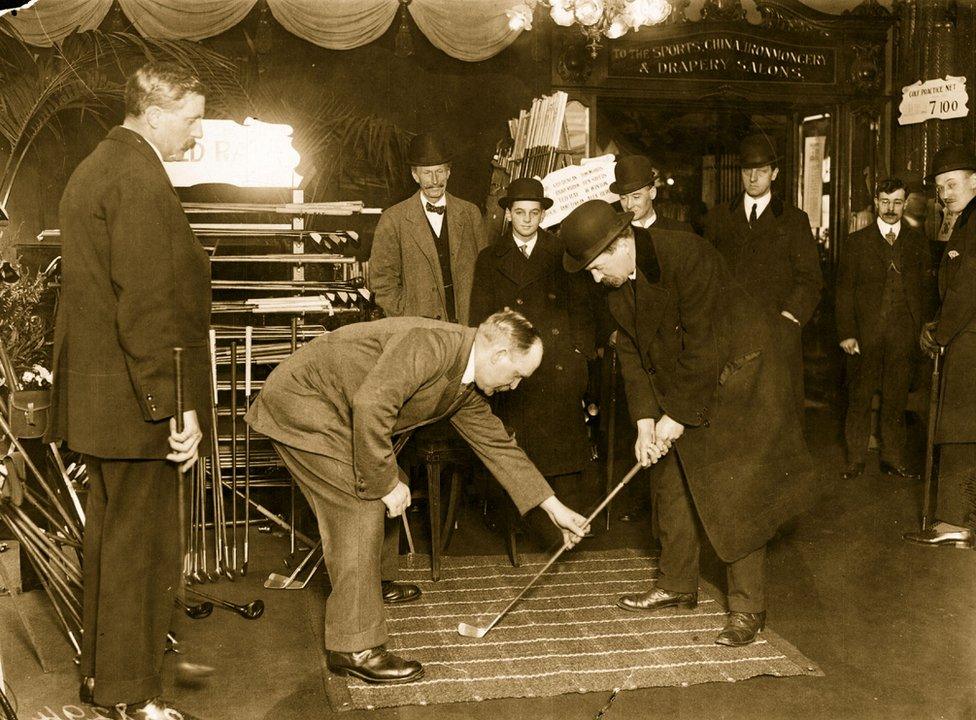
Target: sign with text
723,55
573,185
940,98
255,154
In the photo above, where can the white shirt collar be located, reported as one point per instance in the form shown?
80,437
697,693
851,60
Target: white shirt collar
529,245
441,201
761,203
885,228
468,377
646,222
633,275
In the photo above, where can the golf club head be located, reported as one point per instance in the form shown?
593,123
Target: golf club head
471,631
187,674
198,612
253,610
276,582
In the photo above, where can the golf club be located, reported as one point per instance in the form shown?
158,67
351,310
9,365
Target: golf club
252,611
473,631
280,582
195,612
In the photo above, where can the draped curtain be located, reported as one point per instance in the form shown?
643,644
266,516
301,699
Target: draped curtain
469,30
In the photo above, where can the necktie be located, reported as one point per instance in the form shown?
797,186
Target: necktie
439,209
753,216
945,231
524,249
891,237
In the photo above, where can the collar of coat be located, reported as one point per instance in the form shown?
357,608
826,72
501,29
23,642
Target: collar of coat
134,140
544,241
966,213
647,261
775,205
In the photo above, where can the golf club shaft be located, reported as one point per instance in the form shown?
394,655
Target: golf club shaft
930,440
180,479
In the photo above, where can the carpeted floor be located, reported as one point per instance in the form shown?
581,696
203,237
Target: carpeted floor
565,636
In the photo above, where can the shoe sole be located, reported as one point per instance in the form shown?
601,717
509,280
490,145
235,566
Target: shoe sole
400,601
349,672
682,604
730,643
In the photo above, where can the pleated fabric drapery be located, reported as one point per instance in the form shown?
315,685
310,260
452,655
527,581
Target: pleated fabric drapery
469,30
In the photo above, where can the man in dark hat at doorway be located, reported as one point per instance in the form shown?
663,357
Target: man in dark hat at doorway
524,271
711,401
425,247
771,251
882,299
953,332
635,181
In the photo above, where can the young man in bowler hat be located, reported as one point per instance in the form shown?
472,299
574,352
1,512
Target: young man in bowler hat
705,387
770,250
425,247
953,332
524,271
635,181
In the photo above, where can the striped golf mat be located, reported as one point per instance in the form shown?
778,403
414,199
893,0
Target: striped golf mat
565,636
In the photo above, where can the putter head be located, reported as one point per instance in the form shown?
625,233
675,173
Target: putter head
471,631
189,674
280,582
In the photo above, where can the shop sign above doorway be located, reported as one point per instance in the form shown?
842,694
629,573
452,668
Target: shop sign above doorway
942,98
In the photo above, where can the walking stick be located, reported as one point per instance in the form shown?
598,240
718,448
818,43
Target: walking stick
930,440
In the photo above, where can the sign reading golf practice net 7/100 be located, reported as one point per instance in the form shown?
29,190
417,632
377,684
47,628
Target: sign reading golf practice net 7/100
940,98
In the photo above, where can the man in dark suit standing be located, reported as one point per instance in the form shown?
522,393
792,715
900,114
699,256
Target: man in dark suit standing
524,271
425,247
711,401
136,284
881,302
770,250
954,332
635,181
331,410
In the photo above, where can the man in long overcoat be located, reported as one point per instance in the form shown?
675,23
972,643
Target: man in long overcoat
136,284
770,250
709,396
882,300
331,410
524,271
954,332
425,247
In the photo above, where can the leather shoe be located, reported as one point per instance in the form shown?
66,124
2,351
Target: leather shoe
655,599
394,592
156,709
932,536
376,665
741,628
86,691
853,470
898,471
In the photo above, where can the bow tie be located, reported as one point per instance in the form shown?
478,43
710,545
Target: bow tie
439,209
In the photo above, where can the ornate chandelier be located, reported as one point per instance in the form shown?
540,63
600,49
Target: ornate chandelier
596,19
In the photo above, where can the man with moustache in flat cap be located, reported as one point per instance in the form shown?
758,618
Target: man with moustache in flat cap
953,334
524,271
712,404
771,251
425,247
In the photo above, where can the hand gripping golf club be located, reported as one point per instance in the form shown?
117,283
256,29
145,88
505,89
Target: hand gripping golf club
252,611
473,631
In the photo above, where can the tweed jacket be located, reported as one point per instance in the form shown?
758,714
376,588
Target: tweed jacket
692,345
956,330
545,411
346,393
776,260
404,270
135,284
861,277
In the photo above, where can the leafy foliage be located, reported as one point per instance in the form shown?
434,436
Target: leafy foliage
26,322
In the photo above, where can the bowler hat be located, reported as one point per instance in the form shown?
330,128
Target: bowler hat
427,149
954,157
755,151
588,230
525,189
632,173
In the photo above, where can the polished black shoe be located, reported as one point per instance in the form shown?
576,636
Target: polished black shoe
898,471
86,691
655,599
853,470
741,628
156,709
376,665
394,592
931,536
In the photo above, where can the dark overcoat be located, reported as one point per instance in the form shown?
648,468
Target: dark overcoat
347,393
693,346
545,411
956,329
135,284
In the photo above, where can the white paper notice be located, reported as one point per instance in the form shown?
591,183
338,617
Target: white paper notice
573,185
